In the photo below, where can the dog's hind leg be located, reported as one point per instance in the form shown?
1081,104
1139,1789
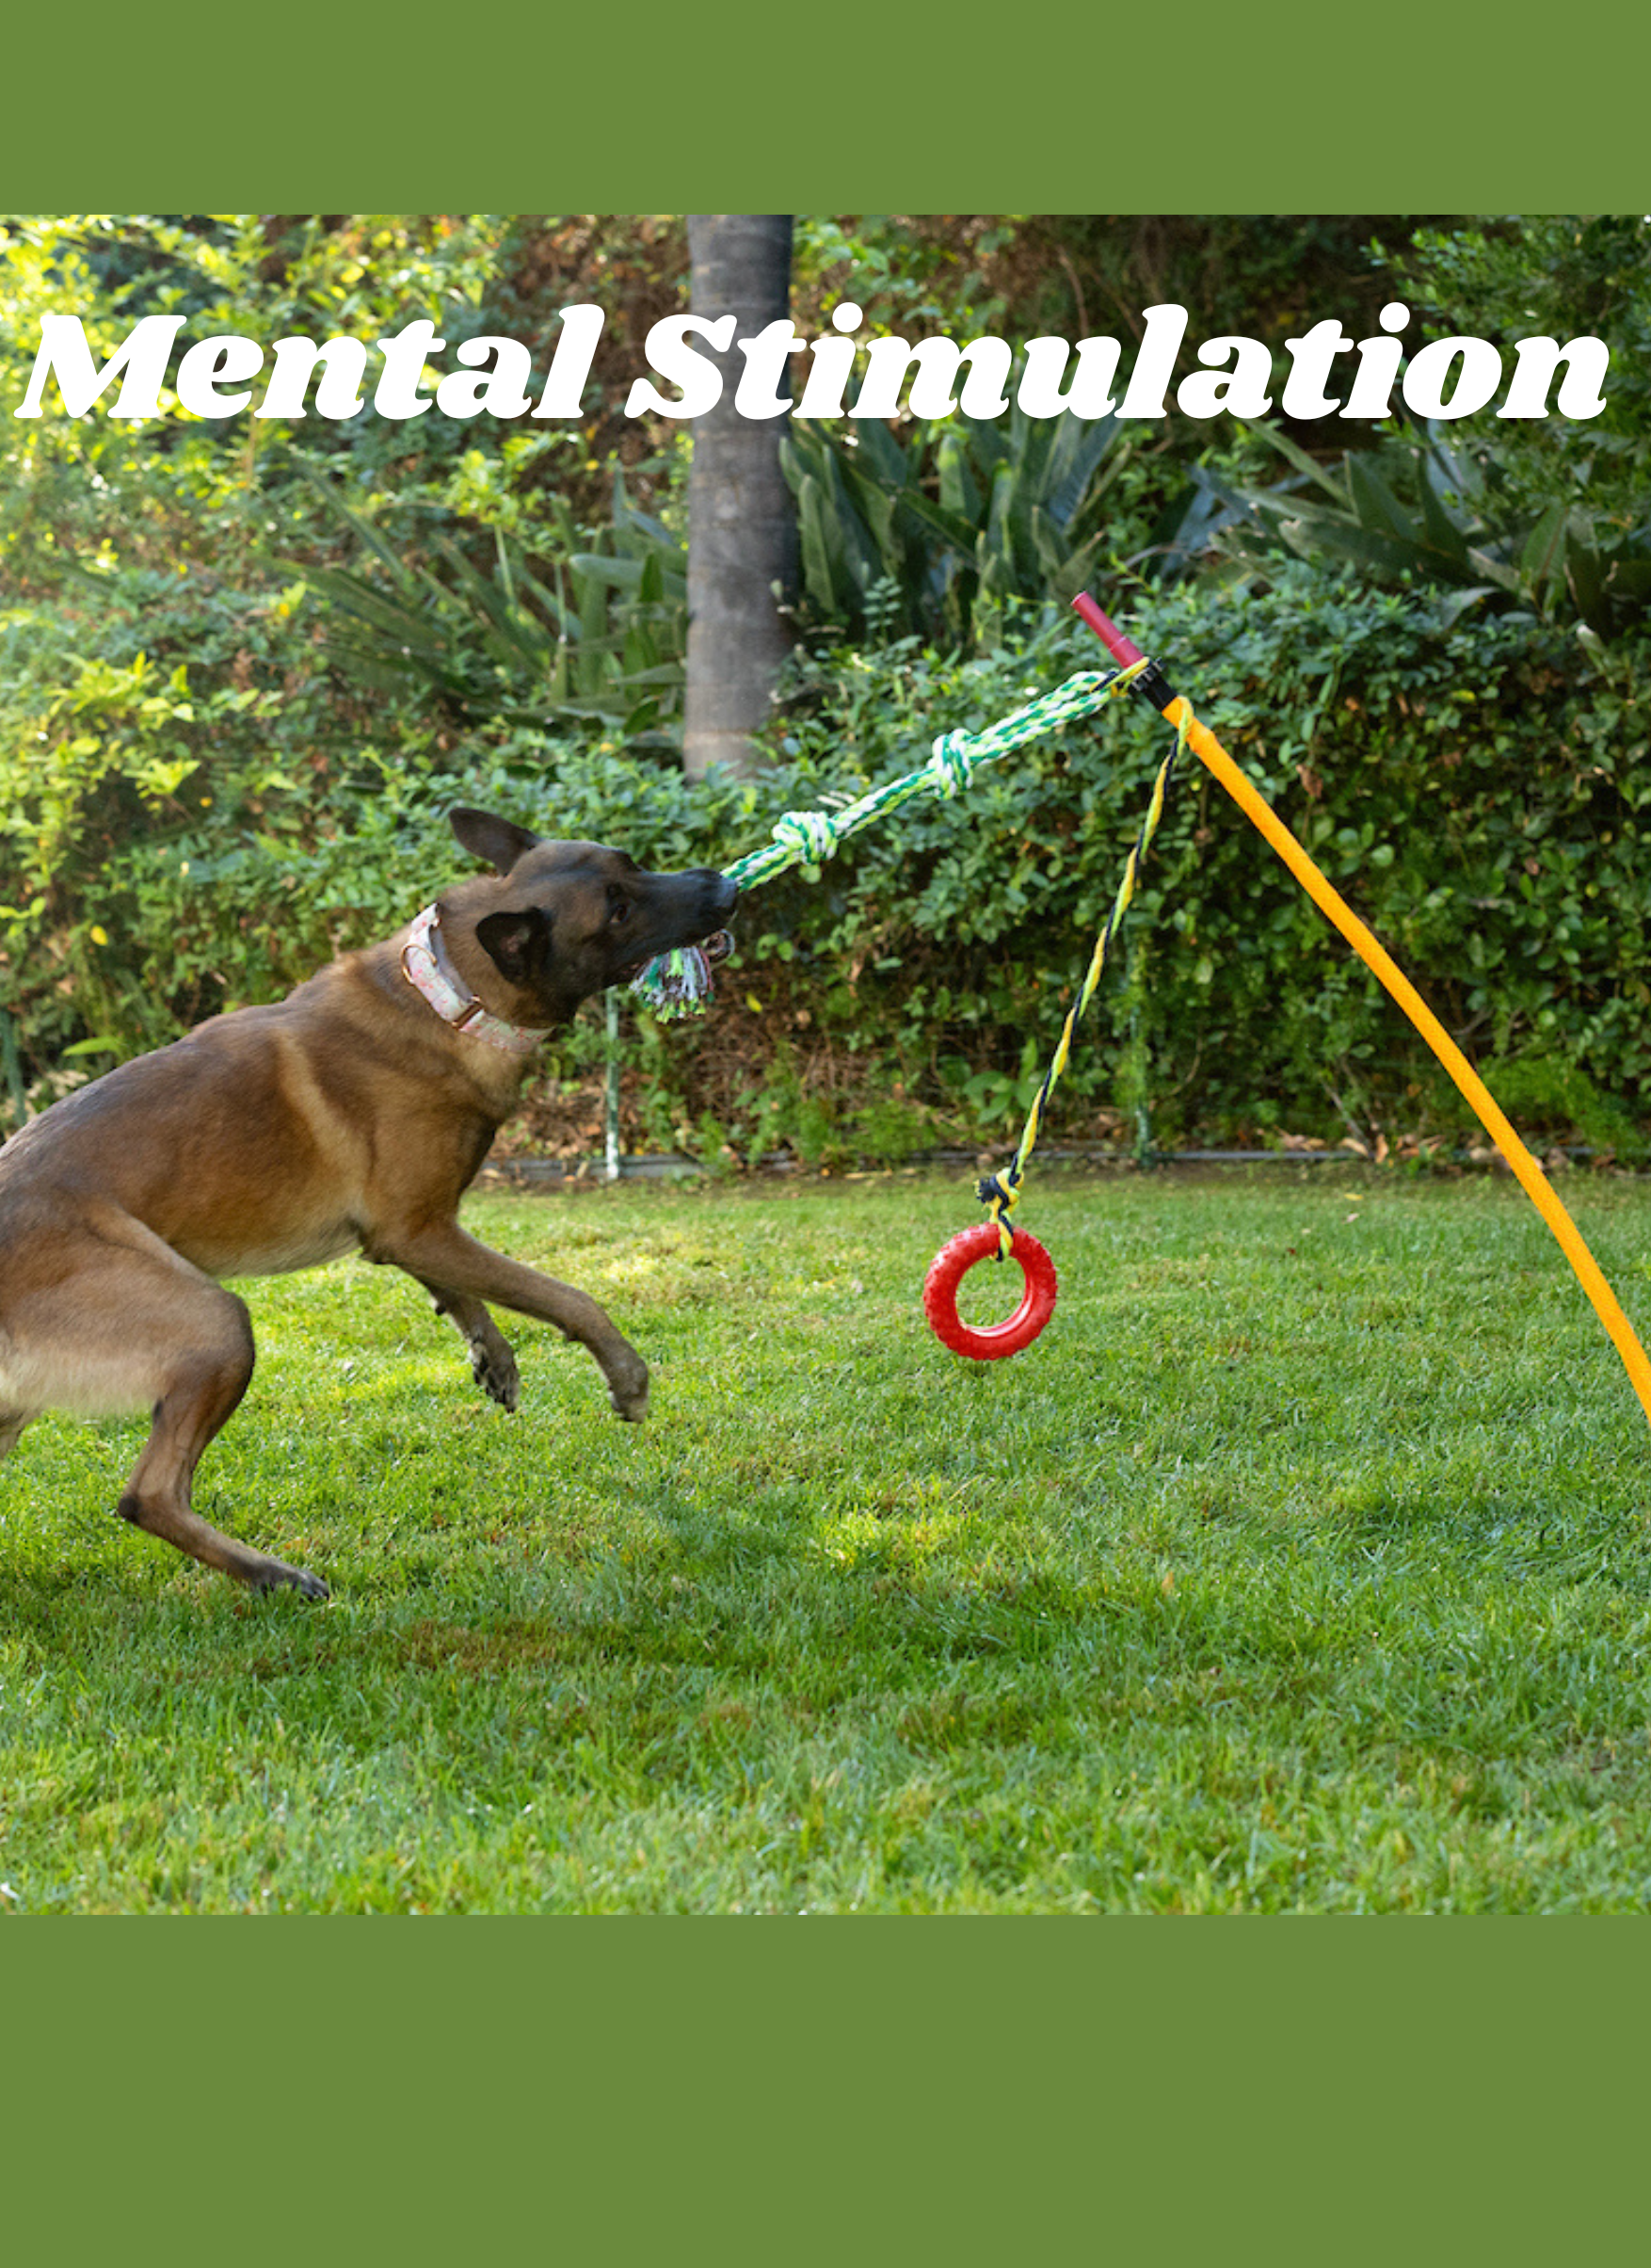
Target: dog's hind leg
491,1362
200,1393
119,1324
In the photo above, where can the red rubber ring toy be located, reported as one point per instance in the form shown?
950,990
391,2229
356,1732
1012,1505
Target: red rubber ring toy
951,1264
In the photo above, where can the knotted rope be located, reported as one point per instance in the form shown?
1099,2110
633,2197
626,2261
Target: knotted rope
809,837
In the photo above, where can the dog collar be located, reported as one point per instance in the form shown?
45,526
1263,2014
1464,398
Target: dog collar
427,968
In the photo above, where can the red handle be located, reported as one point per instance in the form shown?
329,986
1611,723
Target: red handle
1123,650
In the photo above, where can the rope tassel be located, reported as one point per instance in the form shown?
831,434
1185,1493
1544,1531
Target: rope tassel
678,984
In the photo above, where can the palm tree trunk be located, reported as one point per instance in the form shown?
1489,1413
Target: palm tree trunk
742,519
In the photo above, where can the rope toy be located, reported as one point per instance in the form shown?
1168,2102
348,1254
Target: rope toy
678,984
815,835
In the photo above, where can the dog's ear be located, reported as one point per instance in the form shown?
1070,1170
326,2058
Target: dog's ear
519,944
500,841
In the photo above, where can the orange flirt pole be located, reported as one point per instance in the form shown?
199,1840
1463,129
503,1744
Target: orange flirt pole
1210,752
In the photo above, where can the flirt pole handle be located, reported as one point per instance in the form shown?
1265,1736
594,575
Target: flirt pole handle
1210,752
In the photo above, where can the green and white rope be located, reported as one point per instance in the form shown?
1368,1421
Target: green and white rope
809,837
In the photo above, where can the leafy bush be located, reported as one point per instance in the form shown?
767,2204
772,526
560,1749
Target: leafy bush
608,640
1556,275
98,492
119,760
1439,509
935,536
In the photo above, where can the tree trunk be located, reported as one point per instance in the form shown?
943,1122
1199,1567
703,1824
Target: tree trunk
742,518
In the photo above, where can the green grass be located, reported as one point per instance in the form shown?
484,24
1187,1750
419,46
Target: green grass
1303,1562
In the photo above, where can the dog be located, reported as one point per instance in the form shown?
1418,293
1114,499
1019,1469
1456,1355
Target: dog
350,1116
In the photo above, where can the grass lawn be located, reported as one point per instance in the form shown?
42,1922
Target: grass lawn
1301,1562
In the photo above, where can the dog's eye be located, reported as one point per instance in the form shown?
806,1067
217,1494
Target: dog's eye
621,911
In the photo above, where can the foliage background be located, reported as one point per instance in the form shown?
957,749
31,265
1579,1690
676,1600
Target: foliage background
243,670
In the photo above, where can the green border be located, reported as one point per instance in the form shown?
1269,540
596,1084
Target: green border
960,2091
658,110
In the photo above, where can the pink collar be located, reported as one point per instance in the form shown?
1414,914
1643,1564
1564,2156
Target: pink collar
427,968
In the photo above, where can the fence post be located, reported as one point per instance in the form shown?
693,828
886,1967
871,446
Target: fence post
613,1086
1137,1057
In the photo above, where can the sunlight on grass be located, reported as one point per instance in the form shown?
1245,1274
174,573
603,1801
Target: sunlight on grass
1303,1562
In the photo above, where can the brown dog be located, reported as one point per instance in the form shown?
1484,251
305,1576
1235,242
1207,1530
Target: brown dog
351,1117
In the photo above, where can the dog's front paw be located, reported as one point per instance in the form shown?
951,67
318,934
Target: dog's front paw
495,1371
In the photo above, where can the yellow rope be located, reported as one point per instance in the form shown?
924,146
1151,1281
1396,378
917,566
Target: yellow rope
1002,1191
1529,1175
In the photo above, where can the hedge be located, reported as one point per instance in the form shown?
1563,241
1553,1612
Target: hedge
198,828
